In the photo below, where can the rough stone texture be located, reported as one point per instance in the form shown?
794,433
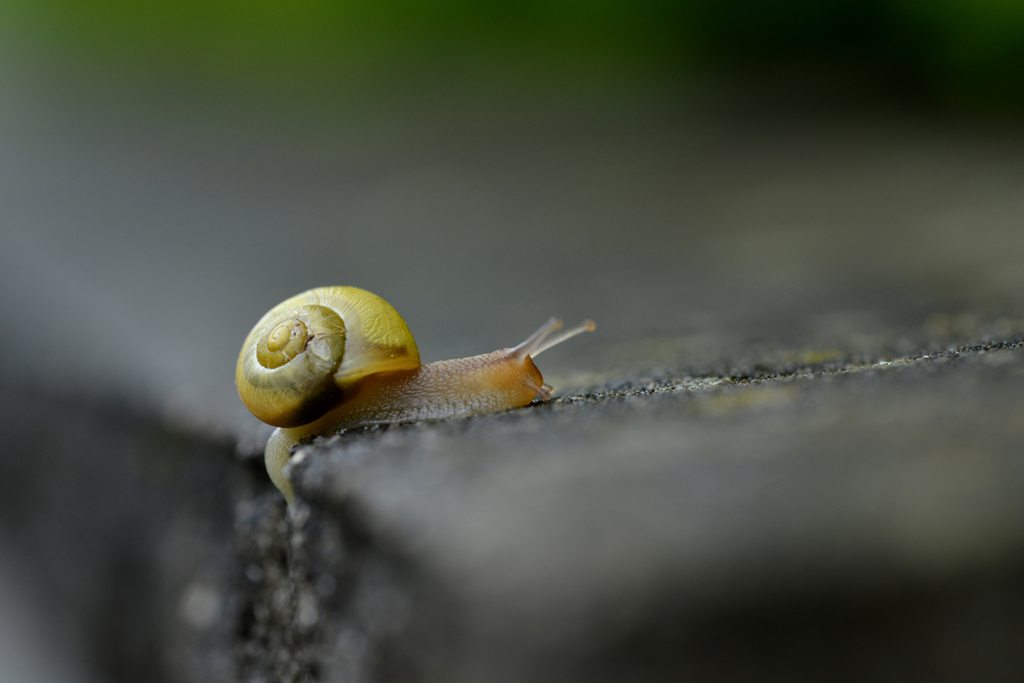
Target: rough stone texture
786,519
792,451
860,521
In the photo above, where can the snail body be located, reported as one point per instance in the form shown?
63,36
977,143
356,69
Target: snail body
339,357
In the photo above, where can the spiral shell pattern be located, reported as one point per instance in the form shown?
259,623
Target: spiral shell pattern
302,357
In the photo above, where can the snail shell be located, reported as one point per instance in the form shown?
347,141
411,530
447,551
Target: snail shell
302,356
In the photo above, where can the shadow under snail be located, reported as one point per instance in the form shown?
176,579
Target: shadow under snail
333,358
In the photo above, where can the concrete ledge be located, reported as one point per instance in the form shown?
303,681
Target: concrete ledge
872,512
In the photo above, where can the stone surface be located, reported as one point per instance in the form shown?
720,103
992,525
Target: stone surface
861,518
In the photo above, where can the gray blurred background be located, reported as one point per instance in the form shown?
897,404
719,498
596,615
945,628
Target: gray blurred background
698,177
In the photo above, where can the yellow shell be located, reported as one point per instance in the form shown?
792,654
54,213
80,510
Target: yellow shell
302,356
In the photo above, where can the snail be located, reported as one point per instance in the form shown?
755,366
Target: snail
334,358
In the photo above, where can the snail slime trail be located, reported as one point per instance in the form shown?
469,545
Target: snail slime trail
338,357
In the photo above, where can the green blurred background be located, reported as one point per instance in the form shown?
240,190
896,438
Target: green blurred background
956,52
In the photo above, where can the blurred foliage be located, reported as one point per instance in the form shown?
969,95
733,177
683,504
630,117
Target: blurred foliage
968,50
266,41
971,51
